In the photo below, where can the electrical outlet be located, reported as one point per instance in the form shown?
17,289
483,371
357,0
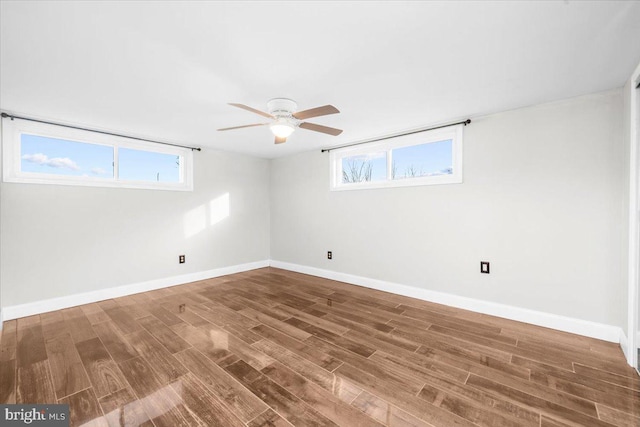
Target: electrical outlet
329,255
181,259
484,267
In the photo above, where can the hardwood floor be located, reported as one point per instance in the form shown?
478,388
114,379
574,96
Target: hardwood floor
274,348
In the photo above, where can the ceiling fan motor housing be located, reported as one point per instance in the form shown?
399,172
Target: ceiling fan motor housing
281,107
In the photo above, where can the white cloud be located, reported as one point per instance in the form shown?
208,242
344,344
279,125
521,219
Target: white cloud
98,171
56,162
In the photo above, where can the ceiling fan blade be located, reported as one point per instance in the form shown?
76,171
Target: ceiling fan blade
316,112
253,110
245,126
280,140
320,128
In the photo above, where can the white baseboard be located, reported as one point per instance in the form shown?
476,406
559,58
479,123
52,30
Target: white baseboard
554,321
548,320
43,306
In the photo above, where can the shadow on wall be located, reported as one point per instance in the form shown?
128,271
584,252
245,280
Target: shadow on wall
206,215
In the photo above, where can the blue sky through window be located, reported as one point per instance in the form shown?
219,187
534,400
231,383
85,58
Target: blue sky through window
365,167
139,165
430,159
39,154
434,158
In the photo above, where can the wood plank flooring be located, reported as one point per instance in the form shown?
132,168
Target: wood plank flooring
275,348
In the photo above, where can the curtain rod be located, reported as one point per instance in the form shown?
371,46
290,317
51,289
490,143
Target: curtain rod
465,122
12,117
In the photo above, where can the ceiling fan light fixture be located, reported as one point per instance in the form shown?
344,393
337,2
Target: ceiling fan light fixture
282,128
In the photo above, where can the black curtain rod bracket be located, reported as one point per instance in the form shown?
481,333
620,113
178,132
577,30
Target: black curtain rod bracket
12,117
465,122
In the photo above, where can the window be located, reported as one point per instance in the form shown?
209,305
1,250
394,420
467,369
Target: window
425,158
364,168
48,154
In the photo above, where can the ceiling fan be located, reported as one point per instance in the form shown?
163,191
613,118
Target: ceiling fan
285,119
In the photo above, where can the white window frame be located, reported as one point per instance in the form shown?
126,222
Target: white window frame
12,131
454,133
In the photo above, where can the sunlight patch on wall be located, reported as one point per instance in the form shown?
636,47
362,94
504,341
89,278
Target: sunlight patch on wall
206,215
219,208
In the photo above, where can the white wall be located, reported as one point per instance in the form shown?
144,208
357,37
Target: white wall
543,200
62,240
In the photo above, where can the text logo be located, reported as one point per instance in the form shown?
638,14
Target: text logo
36,415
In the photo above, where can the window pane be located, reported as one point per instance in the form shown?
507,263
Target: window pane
139,165
364,168
39,154
432,159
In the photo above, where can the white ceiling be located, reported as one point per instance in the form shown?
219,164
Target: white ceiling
167,70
